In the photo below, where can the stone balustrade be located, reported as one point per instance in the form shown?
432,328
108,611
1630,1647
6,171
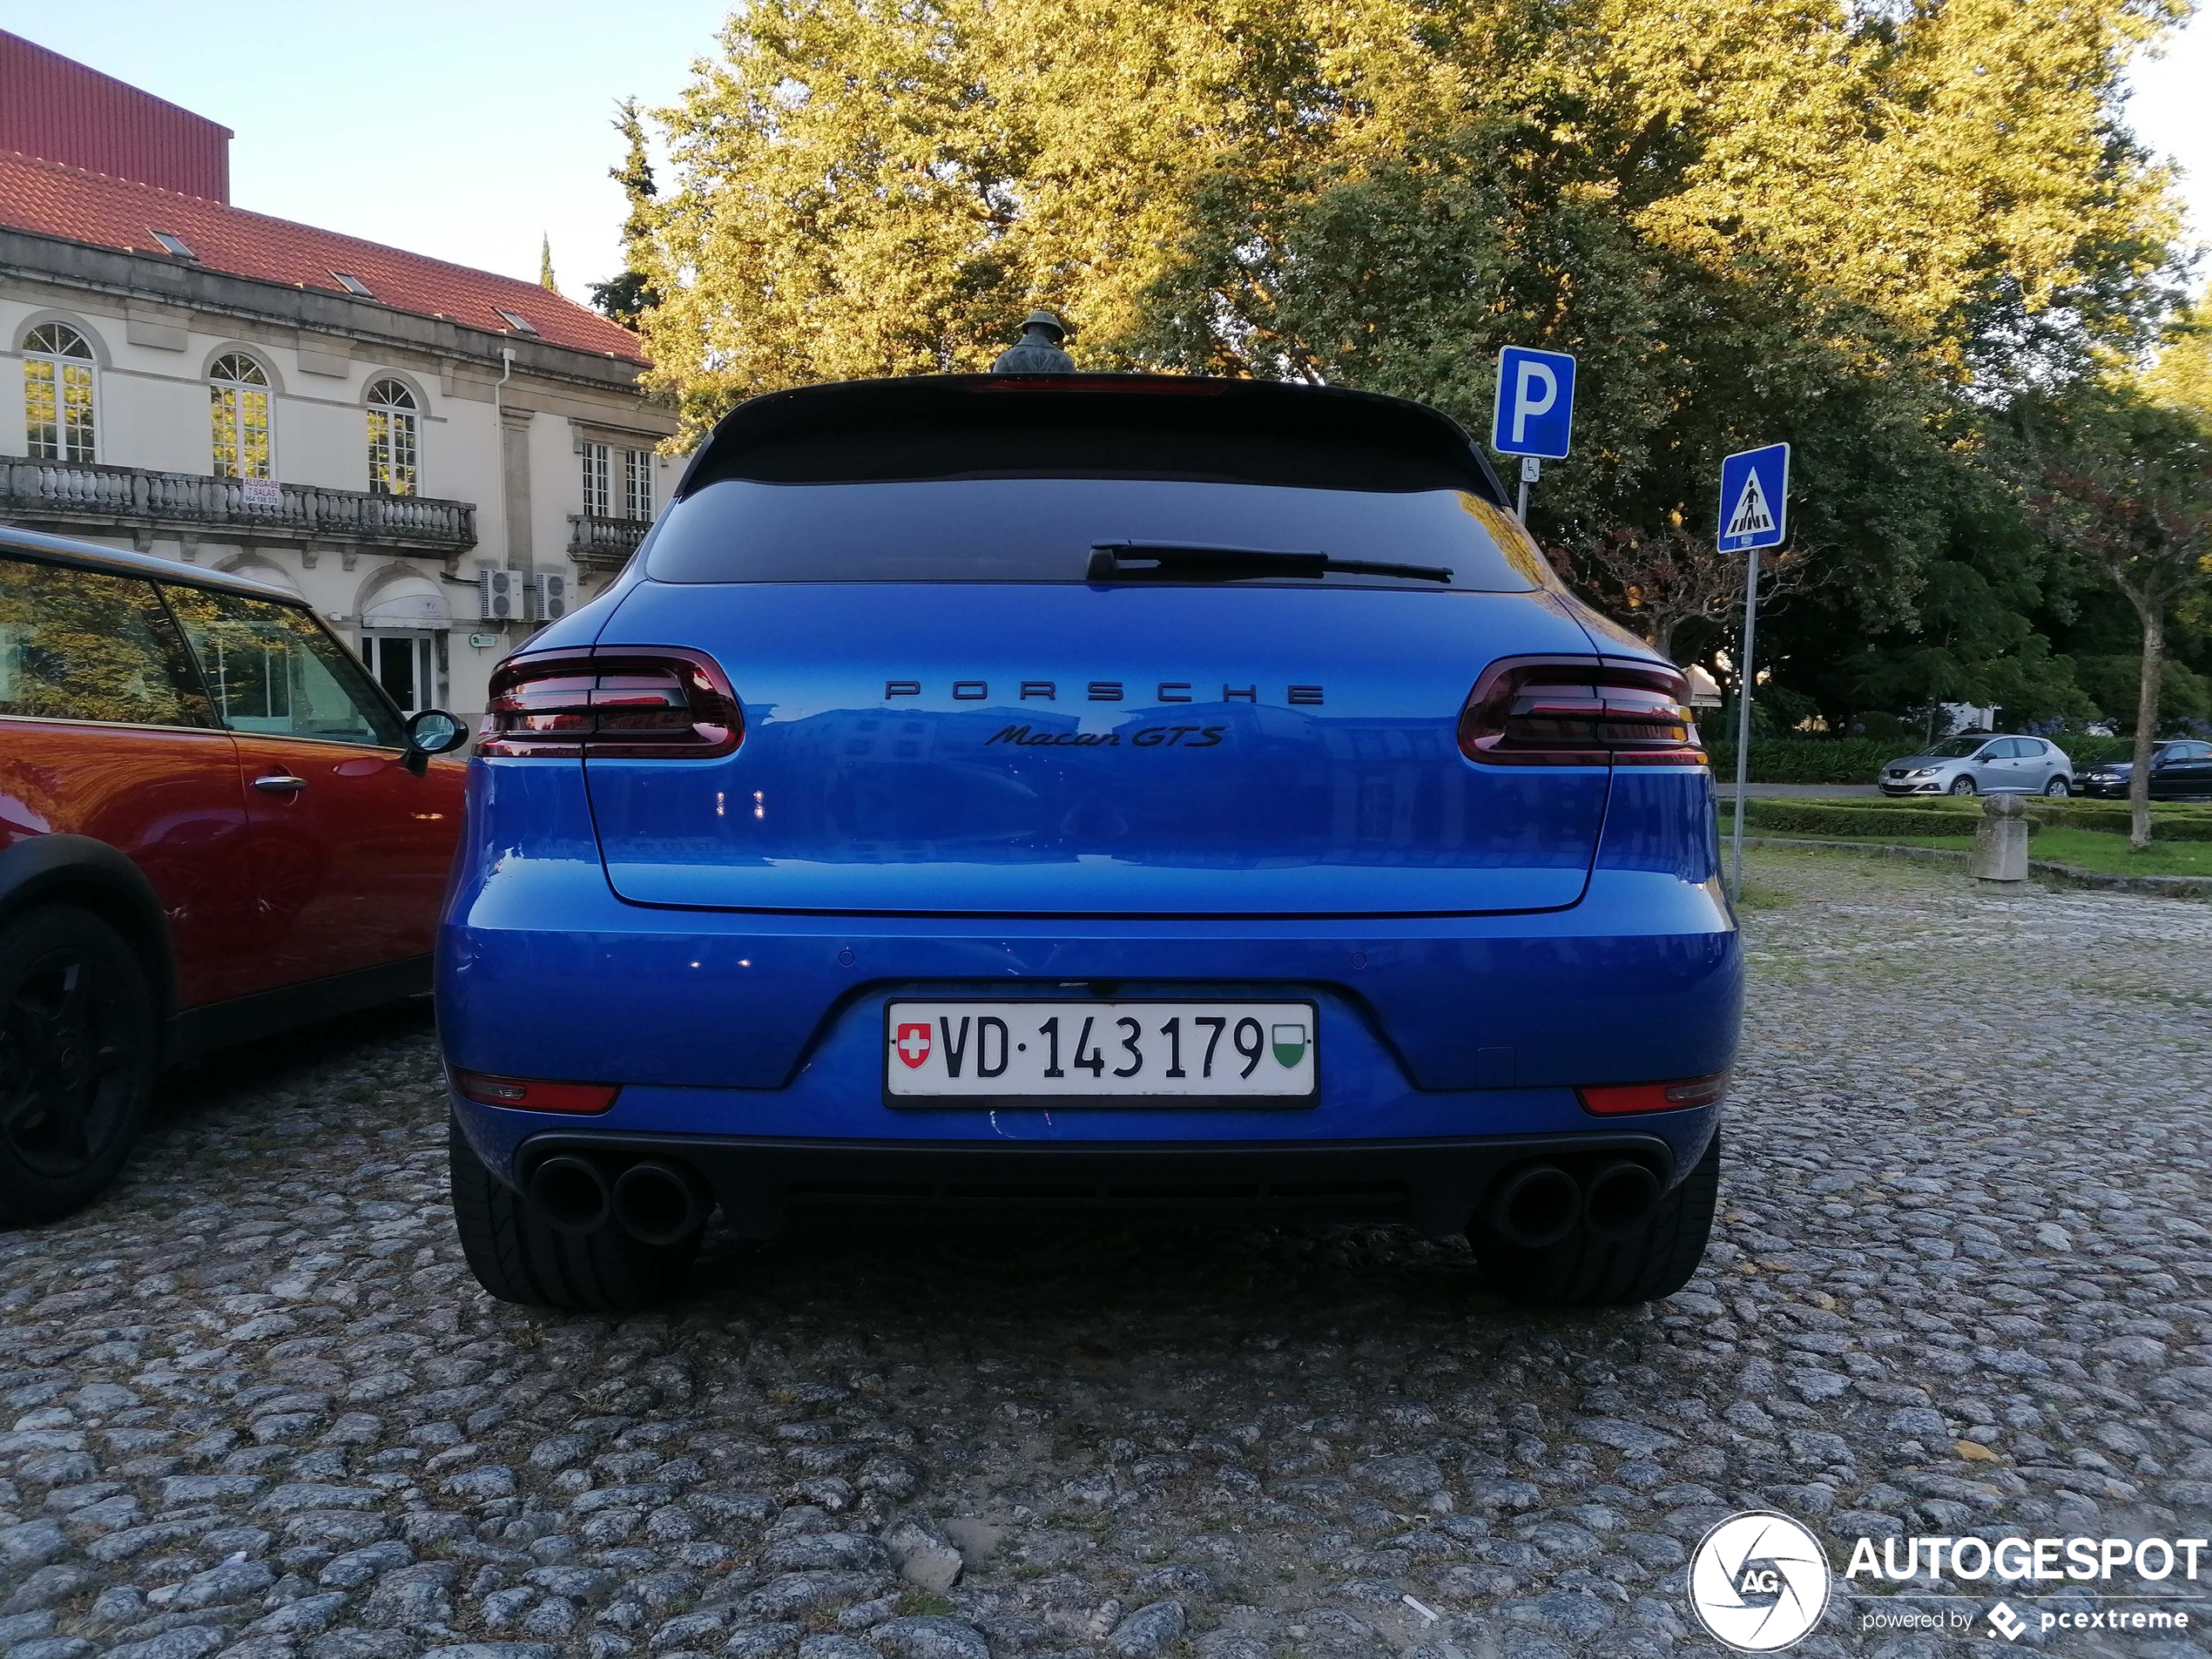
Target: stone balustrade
68,495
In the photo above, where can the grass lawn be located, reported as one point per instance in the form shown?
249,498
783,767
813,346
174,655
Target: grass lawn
2087,849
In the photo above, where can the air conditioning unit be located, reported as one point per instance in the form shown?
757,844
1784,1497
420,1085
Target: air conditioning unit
548,597
497,597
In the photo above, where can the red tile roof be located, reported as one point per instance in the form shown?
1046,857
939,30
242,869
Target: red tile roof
52,199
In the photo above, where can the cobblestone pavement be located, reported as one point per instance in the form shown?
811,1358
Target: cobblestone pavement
1965,1283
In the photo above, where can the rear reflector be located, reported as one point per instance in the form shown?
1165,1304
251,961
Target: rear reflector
619,704
531,1094
1550,712
1655,1097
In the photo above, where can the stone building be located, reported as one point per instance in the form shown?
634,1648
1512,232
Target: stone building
438,458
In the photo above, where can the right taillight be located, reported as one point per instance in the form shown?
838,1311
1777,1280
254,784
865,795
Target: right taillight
1558,712
612,703
1679,1095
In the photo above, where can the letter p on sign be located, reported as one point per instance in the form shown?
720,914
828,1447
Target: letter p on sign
1535,414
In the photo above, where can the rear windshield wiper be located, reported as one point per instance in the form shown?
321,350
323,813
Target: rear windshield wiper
1196,562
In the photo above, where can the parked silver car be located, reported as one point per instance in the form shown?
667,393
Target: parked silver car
1981,764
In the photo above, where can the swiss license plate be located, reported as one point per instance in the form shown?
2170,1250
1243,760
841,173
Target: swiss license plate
1100,1054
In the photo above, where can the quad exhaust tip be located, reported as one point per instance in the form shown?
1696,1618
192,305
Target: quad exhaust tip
571,1193
1619,1199
1538,1204
654,1202
659,1204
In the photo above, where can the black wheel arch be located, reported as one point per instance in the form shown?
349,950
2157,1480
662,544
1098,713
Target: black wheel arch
79,870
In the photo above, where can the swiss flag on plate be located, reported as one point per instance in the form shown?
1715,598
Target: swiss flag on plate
913,1044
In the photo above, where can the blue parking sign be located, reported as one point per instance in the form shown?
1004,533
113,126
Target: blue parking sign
1535,414
1755,498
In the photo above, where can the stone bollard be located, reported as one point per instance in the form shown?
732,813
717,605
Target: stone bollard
2001,841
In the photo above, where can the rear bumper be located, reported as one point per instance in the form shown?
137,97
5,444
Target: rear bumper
757,1040
1434,1185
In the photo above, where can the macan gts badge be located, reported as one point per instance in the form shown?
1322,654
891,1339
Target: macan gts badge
1124,794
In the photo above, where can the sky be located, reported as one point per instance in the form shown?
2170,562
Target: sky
467,131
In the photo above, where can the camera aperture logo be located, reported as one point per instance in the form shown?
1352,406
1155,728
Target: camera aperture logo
1759,1581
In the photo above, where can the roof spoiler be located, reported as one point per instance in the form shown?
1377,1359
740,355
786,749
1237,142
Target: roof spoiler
1095,426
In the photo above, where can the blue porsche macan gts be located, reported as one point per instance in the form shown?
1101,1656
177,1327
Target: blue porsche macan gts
1057,793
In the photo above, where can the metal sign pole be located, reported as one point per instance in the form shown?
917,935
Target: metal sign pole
1743,714
1531,470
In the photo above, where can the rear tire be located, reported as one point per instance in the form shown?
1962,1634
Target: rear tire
2058,788
518,1255
80,1043
1583,1270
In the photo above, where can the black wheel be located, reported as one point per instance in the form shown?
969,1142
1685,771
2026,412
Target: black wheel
79,1046
1584,1271
519,1254
1962,785
2058,786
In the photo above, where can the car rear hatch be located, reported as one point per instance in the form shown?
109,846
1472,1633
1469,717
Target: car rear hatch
1018,694
1036,768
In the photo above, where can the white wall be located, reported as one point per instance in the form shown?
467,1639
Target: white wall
152,401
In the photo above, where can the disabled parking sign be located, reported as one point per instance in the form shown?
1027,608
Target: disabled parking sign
1535,414
1755,508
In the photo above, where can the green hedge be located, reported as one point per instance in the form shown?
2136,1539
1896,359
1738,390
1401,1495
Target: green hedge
1859,760
2050,808
2169,822
2096,752
1806,760
1871,820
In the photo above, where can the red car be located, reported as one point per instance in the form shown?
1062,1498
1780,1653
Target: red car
213,824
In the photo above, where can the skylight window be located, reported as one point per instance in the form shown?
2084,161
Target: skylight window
516,321
175,245
352,284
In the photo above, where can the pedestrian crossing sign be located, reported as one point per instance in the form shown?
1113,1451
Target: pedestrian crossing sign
1755,498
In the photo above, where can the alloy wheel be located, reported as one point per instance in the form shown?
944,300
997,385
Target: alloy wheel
65,1078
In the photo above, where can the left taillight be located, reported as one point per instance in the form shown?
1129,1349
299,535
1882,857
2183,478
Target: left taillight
1539,711
532,1094
615,704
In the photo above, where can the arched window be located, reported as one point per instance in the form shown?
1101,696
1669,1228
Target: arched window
57,394
391,439
238,400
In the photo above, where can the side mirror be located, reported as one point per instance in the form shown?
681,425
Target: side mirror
432,733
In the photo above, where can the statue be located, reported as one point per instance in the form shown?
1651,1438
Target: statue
1038,350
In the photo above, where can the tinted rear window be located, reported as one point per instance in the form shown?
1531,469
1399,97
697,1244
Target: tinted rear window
1042,529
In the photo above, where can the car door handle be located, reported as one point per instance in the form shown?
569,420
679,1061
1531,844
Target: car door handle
280,783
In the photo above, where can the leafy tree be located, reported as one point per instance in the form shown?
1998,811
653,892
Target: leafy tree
1863,229
625,298
1658,583
2126,485
545,263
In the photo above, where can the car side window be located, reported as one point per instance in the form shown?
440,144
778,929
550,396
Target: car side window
2003,749
2030,748
275,672
88,646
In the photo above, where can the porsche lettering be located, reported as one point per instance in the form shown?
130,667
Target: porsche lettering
971,691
